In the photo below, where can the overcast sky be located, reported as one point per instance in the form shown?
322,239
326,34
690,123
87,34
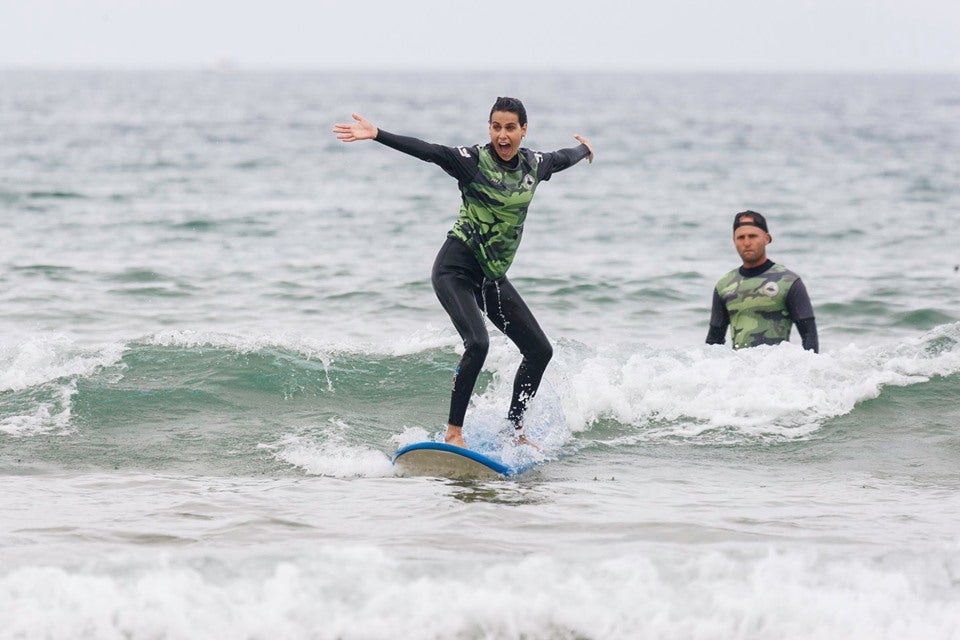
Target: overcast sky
667,35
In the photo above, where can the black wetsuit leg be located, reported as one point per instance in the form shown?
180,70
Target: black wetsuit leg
508,311
464,293
458,282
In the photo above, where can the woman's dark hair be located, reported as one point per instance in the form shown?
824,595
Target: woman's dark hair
510,105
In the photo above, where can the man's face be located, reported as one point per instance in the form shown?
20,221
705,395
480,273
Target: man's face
751,243
506,133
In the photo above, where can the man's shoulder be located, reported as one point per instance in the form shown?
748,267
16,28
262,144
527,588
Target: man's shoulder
728,277
782,272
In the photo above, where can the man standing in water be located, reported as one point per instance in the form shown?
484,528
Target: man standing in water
761,300
497,181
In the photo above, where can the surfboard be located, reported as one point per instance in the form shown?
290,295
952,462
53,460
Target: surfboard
448,461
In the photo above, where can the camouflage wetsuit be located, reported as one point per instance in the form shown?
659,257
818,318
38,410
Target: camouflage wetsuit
760,305
469,274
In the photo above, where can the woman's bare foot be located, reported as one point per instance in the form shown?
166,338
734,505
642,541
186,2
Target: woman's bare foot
522,440
454,436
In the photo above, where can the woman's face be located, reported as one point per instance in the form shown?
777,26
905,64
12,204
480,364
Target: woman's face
506,133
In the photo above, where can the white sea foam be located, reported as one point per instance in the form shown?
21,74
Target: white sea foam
364,593
425,340
47,358
46,416
50,365
411,435
780,391
328,453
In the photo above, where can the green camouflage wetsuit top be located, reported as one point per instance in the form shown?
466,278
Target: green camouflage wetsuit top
494,207
494,195
760,305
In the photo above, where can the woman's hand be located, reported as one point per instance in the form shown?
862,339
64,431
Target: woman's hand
583,140
362,129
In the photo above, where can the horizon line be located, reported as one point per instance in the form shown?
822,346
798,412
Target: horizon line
229,66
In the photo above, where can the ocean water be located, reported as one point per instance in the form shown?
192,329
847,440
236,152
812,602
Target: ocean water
218,325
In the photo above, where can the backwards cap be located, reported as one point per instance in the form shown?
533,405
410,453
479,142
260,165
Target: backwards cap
750,218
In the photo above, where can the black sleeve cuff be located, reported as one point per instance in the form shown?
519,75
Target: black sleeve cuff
716,335
808,333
